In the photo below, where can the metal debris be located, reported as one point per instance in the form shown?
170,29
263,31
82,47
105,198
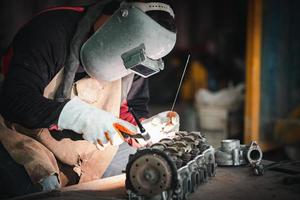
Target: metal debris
232,153
171,168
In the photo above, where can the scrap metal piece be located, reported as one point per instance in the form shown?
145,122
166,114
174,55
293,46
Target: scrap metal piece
195,173
232,153
160,146
254,154
167,141
171,168
150,174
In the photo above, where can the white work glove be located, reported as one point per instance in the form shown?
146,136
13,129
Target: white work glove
95,125
162,125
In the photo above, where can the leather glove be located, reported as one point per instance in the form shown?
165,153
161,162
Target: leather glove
95,125
162,125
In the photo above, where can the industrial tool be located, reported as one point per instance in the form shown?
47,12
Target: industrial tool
170,168
232,153
144,135
130,137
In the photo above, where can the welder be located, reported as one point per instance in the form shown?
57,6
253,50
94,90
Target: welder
71,75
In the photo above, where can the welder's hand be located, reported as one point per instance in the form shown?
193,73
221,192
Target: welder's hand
162,125
95,125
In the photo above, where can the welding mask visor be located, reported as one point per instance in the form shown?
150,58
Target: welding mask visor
130,41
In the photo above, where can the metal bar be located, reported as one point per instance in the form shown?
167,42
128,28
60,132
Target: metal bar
253,71
182,76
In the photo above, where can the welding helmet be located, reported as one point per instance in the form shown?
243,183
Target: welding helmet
130,41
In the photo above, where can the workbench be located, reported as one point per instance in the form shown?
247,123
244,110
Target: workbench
229,183
241,183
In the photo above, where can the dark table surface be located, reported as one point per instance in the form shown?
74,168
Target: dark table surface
241,183
229,183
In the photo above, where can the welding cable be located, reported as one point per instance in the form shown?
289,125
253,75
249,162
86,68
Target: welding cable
261,169
280,164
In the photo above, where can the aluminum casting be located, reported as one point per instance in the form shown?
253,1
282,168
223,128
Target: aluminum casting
232,153
170,169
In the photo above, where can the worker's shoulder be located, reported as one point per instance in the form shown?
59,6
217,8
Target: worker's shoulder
60,16
50,24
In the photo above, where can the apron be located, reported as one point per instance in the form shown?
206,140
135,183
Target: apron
66,154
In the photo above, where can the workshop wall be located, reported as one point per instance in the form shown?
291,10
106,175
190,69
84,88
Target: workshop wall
15,13
214,32
280,90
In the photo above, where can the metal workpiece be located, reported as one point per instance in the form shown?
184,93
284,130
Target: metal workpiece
170,169
151,172
254,154
195,173
232,153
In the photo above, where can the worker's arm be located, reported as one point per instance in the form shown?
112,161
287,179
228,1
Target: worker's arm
39,52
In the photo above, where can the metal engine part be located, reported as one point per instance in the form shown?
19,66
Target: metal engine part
232,153
171,168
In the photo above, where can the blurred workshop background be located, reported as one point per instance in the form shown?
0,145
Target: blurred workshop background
243,79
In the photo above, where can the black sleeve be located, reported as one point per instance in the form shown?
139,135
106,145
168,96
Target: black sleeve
138,96
39,51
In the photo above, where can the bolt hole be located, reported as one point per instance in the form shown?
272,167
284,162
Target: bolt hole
136,165
147,160
255,155
158,164
139,187
164,175
133,176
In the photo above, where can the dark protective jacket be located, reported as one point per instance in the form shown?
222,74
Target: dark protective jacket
39,51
